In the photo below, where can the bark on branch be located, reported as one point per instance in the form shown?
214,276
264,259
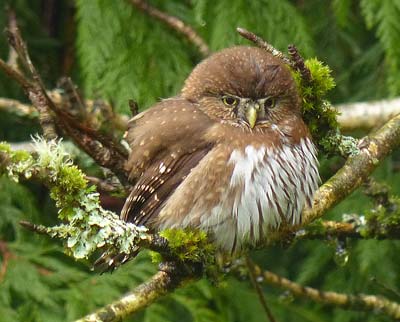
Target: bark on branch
103,148
373,149
163,282
367,115
360,302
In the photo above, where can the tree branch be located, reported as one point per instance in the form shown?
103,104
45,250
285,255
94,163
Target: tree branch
103,148
367,115
105,185
163,282
260,294
14,106
116,121
373,149
258,41
329,229
176,24
35,91
355,302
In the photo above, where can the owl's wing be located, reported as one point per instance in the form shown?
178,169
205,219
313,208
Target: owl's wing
167,141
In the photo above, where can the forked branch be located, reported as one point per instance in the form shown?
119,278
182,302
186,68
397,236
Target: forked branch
103,148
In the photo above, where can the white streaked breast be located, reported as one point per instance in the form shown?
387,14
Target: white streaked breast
267,188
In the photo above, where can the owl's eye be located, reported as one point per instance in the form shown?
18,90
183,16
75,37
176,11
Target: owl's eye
230,101
269,103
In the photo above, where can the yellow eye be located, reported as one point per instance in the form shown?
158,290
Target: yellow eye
230,101
269,103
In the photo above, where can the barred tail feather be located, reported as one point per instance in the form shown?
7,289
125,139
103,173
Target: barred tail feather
109,261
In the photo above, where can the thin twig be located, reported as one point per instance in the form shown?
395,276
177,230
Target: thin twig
16,75
103,148
176,24
258,41
117,121
36,90
299,65
361,302
12,25
105,186
328,229
260,294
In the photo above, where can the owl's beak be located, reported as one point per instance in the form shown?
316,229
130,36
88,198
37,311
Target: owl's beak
251,114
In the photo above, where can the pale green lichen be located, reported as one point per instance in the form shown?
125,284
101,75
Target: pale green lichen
383,219
88,226
20,162
342,144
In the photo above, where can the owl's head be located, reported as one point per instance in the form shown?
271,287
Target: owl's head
244,86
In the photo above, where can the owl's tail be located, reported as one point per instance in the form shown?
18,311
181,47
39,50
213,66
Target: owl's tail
109,261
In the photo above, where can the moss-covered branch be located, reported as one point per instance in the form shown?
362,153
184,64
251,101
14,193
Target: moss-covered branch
373,149
358,228
163,282
361,302
87,226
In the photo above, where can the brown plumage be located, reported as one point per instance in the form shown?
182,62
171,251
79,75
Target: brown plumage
230,154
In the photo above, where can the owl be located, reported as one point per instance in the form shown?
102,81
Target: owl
229,155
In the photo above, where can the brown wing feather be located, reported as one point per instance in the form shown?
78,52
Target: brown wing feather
174,124
154,188
167,141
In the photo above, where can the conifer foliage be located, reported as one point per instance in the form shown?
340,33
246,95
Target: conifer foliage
120,54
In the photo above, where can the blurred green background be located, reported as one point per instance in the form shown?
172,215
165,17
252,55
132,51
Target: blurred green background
114,52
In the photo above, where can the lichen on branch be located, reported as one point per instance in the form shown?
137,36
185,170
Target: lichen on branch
87,226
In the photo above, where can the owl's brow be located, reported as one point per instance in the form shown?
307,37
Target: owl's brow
268,76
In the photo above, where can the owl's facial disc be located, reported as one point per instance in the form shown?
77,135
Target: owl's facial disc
249,111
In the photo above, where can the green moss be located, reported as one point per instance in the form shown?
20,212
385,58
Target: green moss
5,147
319,115
189,244
156,258
69,184
315,228
15,156
322,79
87,226
334,142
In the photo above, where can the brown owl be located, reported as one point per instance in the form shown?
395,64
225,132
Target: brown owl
229,155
